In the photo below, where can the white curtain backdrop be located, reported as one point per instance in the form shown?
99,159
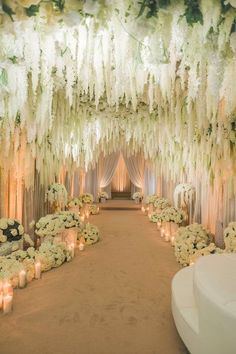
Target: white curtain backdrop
150,183
106,169
135,167
121,180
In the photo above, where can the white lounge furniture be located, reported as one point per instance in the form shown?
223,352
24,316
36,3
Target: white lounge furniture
204,305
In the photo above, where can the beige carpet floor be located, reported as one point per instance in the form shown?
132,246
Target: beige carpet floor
113,298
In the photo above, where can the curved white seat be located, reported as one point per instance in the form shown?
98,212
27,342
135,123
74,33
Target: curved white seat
204,305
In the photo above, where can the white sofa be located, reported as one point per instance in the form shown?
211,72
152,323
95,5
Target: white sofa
204,305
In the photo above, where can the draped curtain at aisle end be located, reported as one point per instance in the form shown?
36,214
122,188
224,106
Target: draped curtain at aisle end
121,181
106,169
135,166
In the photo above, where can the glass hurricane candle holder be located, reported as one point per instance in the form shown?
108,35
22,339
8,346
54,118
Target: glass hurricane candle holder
37,267
7,303
22,279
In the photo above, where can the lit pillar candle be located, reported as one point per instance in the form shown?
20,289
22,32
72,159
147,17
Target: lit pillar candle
22,278
143,210
162,232
7,288
167,237
172,240
7,303
158,225
87,214
82,217
37,267
1,294
72,249
81,246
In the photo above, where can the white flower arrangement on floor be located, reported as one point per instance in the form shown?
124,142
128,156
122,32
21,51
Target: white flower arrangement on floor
86,198
103,194
190,239
153,217
89,233
171,214
50,256
75,203
53,224
161,203
93,209
56,193
12,236
230,237
138,195
206,251
150,199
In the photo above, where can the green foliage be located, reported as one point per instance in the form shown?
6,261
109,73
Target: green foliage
8,10
193,13
152,6
59,4
3,77
32,10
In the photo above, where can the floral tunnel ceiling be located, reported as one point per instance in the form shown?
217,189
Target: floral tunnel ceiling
78,78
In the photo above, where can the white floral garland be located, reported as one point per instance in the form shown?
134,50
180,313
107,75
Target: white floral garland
230,237
56,193
190,239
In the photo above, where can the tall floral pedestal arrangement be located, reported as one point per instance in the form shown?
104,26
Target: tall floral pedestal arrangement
56,196
185,198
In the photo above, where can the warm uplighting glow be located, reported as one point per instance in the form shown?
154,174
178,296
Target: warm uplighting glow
81,246
7,303
172,240
82,218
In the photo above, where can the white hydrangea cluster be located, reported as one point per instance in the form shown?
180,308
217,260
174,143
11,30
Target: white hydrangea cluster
56,193
137,195
206,251
75,203
154,217
52,224
86,198
93,209
190,239
150,199
230,237
103,194
161,203
171,214
89,233
50,256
